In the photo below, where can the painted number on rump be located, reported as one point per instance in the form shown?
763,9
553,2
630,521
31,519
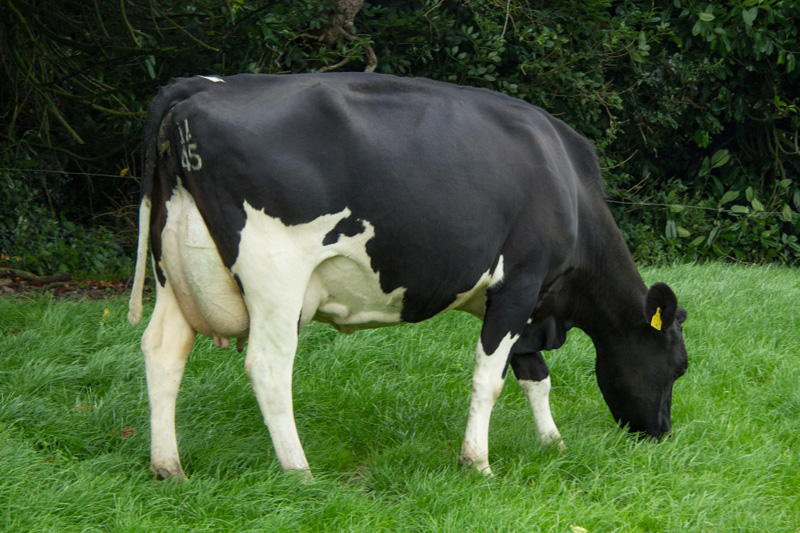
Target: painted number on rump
190,159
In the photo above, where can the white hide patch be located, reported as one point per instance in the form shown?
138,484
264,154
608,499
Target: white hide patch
215,79
538,394
335,281
204,288
487,383
498,275
474,300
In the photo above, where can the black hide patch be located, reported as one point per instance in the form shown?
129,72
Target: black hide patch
529,366
349,227
239,283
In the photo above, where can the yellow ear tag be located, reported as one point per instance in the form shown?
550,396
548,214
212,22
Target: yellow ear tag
656,320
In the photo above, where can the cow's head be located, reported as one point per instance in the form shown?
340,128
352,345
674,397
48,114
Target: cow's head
637,367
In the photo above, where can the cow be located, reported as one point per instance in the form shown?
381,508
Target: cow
365,200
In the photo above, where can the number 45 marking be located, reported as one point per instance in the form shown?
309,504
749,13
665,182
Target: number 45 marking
190,159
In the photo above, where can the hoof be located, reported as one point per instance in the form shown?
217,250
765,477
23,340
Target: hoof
481,466
554,440
162,473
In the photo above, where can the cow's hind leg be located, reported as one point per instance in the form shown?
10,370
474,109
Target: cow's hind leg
534,379
274,319
166,344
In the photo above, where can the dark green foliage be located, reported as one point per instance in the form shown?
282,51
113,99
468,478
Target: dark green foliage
34,236
689,103
717,112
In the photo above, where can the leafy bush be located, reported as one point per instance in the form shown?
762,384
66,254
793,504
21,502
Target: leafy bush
692,105
718,111
34,237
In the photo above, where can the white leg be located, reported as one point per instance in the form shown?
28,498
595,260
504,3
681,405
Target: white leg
538,394
275,305
487,382
166,344
270,356
274,267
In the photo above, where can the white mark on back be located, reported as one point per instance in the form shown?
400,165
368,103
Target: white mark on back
190,159
215,79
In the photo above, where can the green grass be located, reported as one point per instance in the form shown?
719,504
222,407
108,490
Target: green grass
382,413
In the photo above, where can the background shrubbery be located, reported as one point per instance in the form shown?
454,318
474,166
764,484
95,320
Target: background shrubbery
690,103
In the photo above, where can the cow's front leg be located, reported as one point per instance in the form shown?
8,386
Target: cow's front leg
534,379
166,344
487,383
270,357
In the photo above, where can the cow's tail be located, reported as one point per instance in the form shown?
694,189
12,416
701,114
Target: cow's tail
135,305
155,113
150,136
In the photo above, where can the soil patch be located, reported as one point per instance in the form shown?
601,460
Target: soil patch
69,289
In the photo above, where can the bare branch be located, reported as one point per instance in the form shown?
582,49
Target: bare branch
29,276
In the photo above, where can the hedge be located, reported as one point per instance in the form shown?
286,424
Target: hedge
693,106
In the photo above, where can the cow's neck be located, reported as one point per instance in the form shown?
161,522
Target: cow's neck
607,291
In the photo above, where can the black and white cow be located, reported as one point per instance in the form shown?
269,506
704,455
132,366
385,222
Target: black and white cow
363,200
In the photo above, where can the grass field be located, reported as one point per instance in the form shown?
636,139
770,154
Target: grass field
382,413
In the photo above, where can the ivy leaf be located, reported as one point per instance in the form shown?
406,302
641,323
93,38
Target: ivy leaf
749,15
149,63
671,230
701,137
712,236
728,197
719,158
705,168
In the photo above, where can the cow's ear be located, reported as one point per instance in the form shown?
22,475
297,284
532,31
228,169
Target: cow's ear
681,315
660,306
